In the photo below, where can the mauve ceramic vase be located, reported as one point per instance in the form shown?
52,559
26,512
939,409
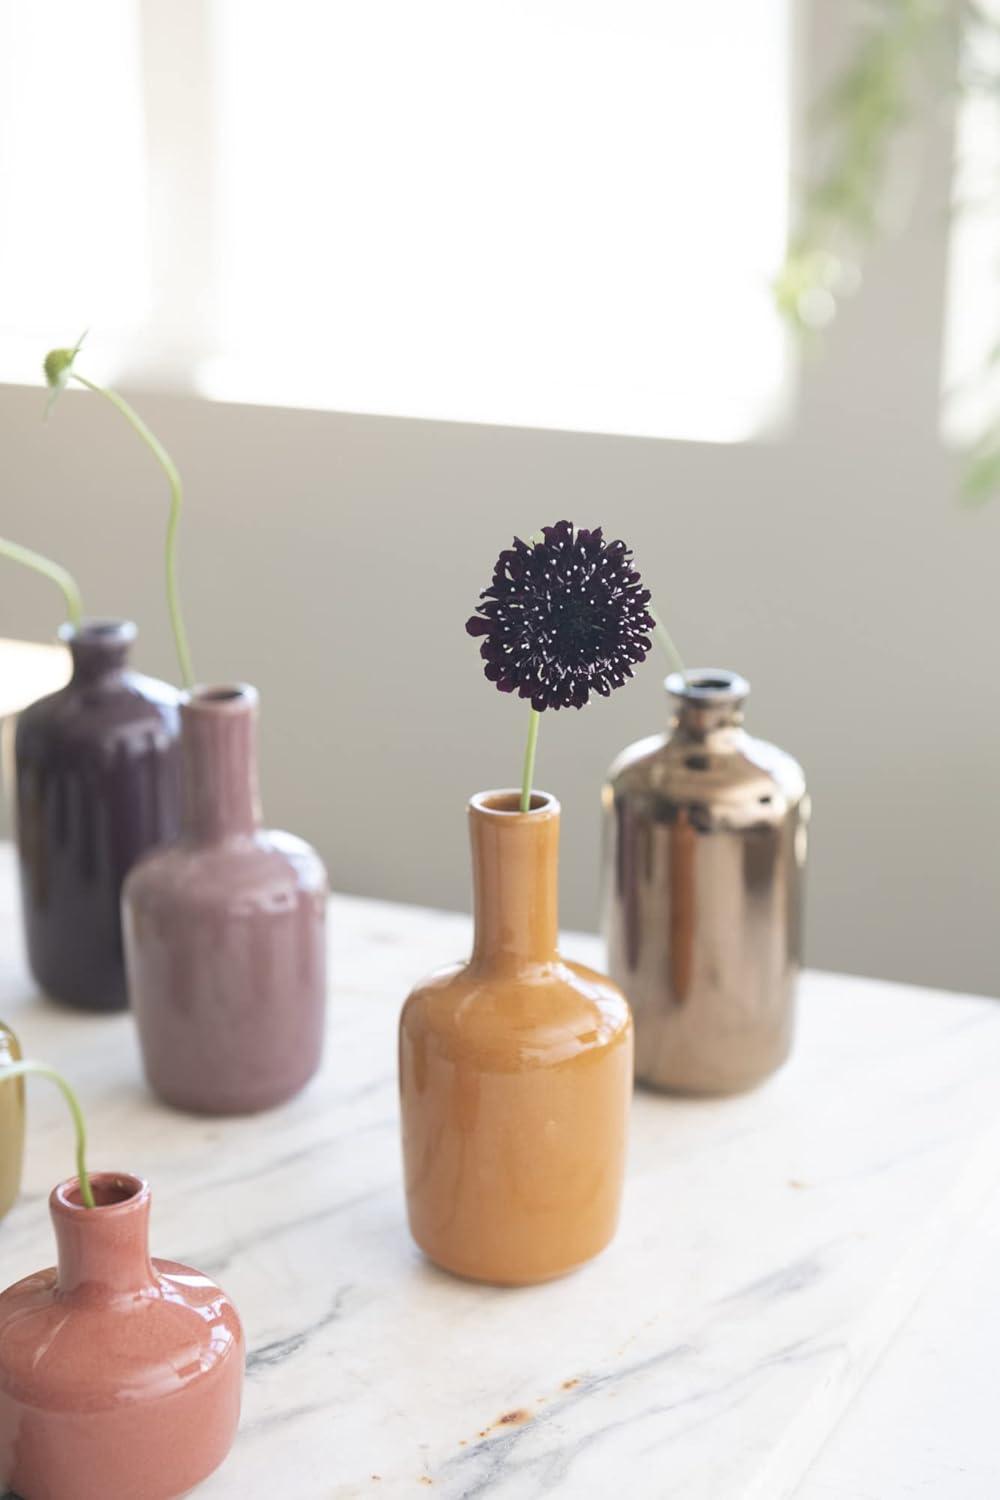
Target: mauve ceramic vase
225,932
120,1377
515,1074
11,1124
97,772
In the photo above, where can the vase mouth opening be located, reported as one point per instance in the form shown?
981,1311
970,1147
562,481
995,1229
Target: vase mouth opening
114,1192
99,632
708,685
221,698
506,803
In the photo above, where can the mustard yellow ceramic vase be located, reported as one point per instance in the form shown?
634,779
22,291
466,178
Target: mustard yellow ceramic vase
11,1124
515,1074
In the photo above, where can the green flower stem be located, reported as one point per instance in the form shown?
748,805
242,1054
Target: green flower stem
529,760
50,570
176,499
666,645
42,1070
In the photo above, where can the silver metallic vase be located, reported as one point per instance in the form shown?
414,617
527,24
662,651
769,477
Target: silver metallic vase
705,847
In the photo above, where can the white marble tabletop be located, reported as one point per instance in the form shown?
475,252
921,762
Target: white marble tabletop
772,1249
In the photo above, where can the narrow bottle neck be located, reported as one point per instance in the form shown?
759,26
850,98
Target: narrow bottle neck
99,648
707,705
104,1249
515,873
219,758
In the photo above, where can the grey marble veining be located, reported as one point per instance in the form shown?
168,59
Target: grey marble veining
771,1246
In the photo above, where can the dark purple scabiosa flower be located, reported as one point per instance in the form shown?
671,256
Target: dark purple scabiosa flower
565,616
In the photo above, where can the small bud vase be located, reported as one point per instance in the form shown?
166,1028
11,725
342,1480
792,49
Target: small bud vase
705,852
11,1124
225,932
515,1074
120,1377
97,773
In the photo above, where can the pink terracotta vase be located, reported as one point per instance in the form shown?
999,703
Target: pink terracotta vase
225,931
120,1376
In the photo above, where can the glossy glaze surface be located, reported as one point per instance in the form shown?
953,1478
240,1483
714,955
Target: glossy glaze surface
11,1124
225,932
704,859
120,1376
515,1075
97,786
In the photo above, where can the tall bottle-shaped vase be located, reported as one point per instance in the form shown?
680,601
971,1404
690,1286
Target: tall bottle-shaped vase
705,855
515,1073
225,931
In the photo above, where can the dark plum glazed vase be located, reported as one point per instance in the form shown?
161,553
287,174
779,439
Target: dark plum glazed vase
120,1377
97,771
225,932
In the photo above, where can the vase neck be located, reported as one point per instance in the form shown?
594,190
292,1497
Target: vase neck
98,648
515,872
219,757
707,704
105,1248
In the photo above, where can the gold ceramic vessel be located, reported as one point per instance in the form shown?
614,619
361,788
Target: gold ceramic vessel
11,1124
515,1073
705,847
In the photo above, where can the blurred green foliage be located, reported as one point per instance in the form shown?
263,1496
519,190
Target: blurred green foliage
903,61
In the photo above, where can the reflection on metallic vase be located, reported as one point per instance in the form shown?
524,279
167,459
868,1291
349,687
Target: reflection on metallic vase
705,847
98,786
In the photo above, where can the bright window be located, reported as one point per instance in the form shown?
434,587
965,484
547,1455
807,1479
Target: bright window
558,213
73,247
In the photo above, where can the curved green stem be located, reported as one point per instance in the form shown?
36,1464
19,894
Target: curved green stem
528,774
50,570
666,645
22,1069
176,499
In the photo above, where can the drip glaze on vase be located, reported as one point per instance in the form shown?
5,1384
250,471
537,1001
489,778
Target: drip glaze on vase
120,1376
11,1124
226,932
705,847
97,772
515,1075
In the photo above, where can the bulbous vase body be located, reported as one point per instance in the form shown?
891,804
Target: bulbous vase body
120,1376
225,932
97,772
11,1124
705,852
515,1075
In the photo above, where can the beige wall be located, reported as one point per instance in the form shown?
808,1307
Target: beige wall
334,559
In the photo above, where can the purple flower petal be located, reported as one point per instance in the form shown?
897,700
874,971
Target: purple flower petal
563,617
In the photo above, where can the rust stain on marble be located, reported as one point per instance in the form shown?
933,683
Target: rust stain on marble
515,1418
